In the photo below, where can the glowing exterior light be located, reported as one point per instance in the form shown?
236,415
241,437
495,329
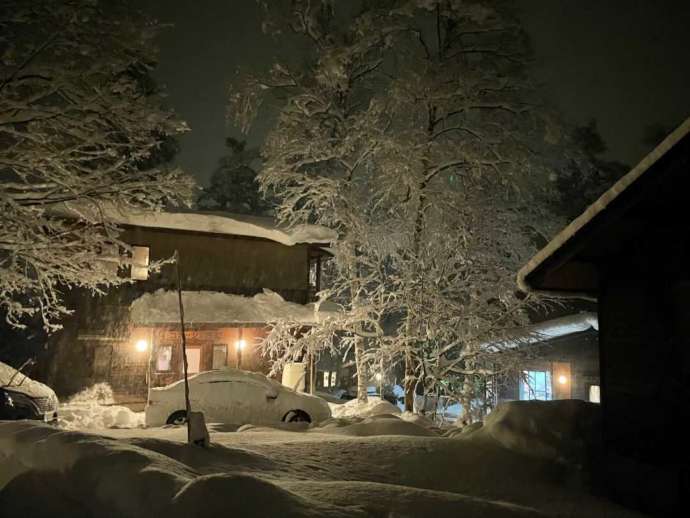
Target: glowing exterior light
562,379
240,344
378,376
141,345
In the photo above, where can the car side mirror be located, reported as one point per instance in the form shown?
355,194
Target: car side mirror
271,393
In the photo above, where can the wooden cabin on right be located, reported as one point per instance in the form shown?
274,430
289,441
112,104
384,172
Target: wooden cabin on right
630,250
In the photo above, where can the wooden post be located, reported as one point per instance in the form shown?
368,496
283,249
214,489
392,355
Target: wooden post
184,348
239,347
312,374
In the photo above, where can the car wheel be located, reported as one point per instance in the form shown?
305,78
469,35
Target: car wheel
177,418
297,416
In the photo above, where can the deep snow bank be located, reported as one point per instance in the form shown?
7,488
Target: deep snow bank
48,472
563,431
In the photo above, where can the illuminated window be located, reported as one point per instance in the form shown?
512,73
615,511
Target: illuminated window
193,360
220,356
164,358
140,263
536,385
326,379
332,378
314,273
595,394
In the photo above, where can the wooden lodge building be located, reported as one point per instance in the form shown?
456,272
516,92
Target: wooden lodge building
631,251
232,257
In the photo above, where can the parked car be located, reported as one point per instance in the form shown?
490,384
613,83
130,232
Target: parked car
233,396
24,398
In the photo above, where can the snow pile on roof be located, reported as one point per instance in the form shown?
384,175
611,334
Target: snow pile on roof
561,431
354,408
211,222
22,383
212,307
570,233
545,331
94,408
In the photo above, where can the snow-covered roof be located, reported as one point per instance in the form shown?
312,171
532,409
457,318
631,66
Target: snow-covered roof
547,330
210,307
217,223
571,232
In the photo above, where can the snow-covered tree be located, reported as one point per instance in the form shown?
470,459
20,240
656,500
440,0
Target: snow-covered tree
81,132
318,157
415,133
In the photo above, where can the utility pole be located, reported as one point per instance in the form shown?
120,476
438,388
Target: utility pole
184,348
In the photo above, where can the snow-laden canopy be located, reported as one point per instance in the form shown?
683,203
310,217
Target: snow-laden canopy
545,331
211,222
212,307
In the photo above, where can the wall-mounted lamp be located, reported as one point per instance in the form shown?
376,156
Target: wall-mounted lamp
142,345
562,379
240,344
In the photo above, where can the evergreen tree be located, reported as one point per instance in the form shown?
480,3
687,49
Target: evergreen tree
233,186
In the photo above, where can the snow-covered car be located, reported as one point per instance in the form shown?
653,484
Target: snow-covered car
24,398
233,396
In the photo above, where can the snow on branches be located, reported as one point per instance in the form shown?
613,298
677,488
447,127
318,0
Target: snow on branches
80,124
415,134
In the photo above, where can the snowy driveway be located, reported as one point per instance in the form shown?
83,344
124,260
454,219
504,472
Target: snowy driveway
262,472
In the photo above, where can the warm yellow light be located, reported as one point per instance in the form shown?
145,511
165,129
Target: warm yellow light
562,379
378,376
240,344
142,345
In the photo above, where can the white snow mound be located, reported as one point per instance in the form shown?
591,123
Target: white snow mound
354,408
94,408
561,431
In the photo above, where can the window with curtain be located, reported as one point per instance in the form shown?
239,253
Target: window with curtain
164,358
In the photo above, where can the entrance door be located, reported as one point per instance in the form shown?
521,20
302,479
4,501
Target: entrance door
193,360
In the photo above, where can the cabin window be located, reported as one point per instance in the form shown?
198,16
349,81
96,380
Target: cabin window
164,358
314,273
329,379
594,394
220,356
536,385
193,360
140,263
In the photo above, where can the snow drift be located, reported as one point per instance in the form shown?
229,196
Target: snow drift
562,431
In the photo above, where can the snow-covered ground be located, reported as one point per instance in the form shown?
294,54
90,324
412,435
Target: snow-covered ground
527,460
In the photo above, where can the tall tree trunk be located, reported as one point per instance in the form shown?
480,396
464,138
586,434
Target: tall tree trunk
409,383
362,374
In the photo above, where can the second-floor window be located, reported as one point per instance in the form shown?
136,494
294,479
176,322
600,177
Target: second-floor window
140,263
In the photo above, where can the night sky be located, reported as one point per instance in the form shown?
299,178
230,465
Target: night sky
623,62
